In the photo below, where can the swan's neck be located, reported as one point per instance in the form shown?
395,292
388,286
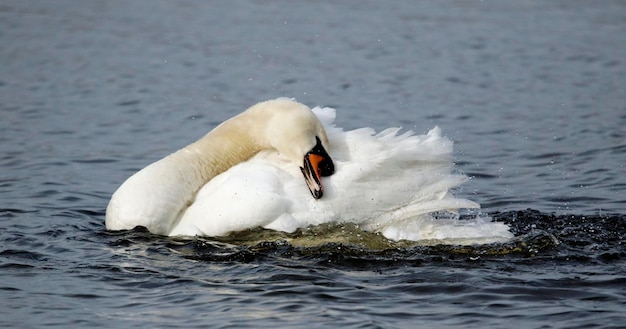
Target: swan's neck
158,195
222,148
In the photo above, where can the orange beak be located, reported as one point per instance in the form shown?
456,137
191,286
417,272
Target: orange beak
317,163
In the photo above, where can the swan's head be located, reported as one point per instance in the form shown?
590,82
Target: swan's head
297,134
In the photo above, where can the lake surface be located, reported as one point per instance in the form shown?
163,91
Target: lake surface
532,93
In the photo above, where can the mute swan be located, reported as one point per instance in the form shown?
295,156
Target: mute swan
253,170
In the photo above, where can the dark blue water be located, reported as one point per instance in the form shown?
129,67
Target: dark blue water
532,92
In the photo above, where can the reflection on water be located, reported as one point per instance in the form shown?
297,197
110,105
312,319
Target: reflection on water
538,236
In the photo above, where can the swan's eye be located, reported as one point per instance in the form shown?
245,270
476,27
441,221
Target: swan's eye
326,167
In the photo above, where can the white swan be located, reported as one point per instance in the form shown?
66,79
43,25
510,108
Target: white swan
254,169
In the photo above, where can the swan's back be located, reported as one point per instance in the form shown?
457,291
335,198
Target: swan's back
384,182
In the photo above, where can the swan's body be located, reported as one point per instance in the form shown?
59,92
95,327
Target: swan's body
246,173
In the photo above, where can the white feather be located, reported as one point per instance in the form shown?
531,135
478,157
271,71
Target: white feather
388,182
